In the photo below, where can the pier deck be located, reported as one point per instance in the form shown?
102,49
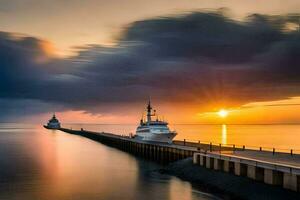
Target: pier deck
277,158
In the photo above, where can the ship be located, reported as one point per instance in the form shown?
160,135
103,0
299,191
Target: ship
154,130
53,123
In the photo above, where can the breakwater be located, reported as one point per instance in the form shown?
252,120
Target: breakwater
160,152
280,169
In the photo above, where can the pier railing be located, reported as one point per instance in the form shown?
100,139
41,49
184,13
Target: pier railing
212,146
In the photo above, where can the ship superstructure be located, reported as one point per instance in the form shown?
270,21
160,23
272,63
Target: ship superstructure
53,123
154,130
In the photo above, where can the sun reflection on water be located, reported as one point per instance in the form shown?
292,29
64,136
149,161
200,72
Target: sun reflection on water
224,134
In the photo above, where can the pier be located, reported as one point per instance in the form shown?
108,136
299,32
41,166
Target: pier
280,169
160,152
264,169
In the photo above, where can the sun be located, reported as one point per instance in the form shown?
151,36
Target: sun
223,113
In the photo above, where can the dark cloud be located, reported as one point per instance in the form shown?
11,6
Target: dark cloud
196,57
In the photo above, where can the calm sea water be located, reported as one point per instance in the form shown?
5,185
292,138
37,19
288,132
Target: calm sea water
39,164
281,137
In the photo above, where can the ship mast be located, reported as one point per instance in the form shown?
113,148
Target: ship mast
149,108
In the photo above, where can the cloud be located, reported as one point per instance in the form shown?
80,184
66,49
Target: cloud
14,110
198,57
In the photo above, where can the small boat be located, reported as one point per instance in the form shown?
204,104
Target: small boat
154,130
53,123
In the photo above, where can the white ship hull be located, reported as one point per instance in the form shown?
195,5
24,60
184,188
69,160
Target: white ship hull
156,137
51,127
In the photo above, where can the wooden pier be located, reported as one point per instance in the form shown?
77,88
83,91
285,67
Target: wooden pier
281,169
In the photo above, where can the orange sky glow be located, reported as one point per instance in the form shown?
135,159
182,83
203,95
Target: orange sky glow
267,112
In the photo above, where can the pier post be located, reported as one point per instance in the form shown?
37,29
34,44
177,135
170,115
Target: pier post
161,154
143,150
169,154
218,164
255,173
290,181
173,154
202,160
165,155
209,162
182,154
140,149
196,158
251,171
273,177
158,152
226,166
240,169
178,154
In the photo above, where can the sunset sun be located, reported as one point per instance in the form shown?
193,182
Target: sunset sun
223,113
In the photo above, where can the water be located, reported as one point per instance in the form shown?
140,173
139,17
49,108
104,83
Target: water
281,137
40,164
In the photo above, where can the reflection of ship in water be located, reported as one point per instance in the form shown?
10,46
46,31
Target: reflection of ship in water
154,130
53,123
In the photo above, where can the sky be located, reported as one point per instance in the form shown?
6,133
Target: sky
96,61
